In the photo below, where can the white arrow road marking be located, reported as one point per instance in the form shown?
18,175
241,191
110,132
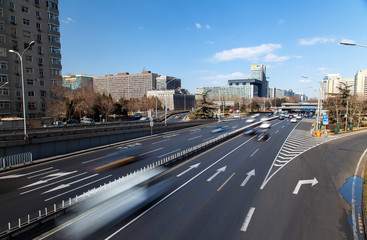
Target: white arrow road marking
313,182
61,180
215,174
247,219
190,168
21,175
53,176
249,175
69,184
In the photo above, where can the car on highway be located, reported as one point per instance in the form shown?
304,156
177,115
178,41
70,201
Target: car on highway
250,131
299,117
217,130
262,136
178,117
281,118
250,120
87,121
144,118
293,120
265,124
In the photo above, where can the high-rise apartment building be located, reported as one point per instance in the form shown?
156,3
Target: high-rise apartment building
360,80
125,85
21,22
77,81
167,82
258,72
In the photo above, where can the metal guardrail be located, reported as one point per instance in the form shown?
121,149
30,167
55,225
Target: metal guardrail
14,160
59,209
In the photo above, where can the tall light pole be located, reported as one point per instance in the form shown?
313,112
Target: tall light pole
318,104
23,93
165,100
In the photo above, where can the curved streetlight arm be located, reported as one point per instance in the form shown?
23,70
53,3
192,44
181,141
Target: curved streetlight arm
352,44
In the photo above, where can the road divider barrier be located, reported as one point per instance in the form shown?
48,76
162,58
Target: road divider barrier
15,160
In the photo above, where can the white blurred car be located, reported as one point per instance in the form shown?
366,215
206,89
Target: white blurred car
293,120
265,125
250,120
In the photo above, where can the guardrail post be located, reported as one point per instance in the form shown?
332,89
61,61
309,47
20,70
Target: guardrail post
29,219
54,207
46,211
19,223
9,226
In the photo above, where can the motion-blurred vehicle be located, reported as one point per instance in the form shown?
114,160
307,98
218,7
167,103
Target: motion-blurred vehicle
138,115
293,120
250,131
226,115
264,119
144,118
250,120
299,117
281,118
265,124
217,130
262,136
127,154
178,117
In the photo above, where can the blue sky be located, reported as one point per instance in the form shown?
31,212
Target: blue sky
205,43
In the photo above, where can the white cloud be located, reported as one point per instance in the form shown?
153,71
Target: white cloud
68,20
220,77
198,25
263,52
207,26
324,70
315,40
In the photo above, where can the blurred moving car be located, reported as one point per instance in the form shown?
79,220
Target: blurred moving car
127,154
265,124
293,120
250,131
250,120
138,115
281,118
217,130
299,117
262,136
144,118
178,117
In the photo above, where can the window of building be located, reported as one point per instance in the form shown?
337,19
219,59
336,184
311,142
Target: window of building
39,37
4,105
27,34
29,70
40,49
32,115
14,44
4,91
25,9
43,93
37,2
54,72
29,81
53,27
53,16
53,39
38,26
29,58
1,12
13,32
40,72
55,50
42,82
26,45
51,4
11,6
3,78
3,52
56,61
13,20
30,93
3,65
43,105
17,93
32,105
2,26
26,21
40,60
38,15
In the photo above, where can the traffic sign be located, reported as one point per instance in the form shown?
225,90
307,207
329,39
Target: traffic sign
325,119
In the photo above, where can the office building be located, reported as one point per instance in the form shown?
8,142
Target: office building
176,99
125,85
22,22
77,81
227,92
167,82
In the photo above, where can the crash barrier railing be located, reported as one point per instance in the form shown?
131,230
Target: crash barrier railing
15,160
27,223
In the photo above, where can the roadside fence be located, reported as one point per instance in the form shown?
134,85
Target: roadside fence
14,160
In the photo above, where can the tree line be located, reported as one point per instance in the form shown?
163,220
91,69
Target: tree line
68,104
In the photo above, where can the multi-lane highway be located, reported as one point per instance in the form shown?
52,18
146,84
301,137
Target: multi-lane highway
286,187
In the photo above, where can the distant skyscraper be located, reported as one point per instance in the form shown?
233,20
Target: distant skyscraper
20,23
168,82
258,72
360,86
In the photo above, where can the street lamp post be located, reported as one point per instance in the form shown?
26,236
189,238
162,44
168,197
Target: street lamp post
4,84
318,105
23,93
352,44
165,100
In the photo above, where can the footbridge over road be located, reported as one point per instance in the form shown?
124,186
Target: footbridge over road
297,107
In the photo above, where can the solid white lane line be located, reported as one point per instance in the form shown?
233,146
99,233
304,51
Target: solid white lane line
225,182
151,151
42,173
254,152
51,183
208,139
167,139
268,139
169,153
48,199
194,137
247,219
276,131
